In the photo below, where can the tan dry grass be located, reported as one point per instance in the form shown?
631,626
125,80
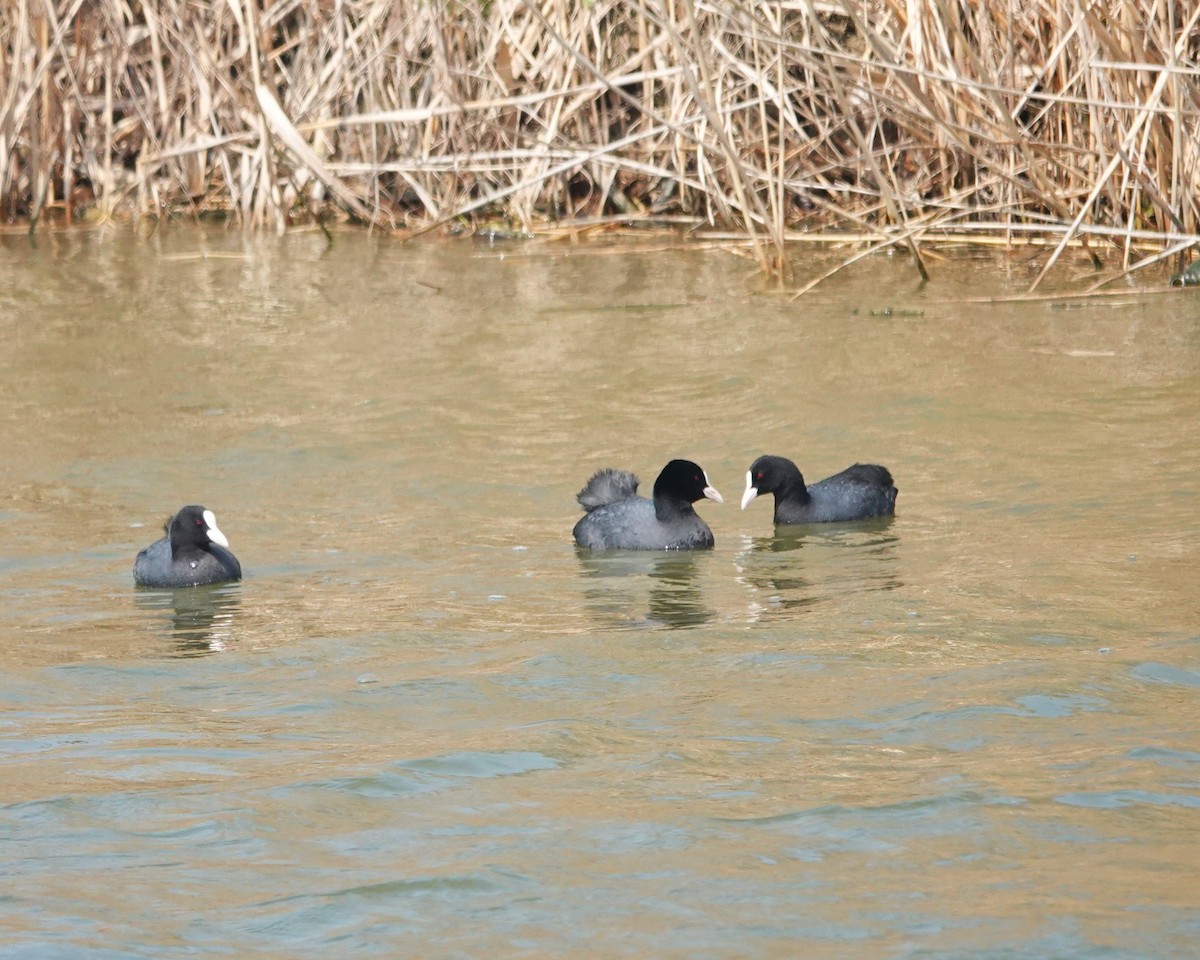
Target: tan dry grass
901,121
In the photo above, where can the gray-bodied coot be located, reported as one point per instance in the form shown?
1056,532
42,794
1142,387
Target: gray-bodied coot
616,518
857,493
194,552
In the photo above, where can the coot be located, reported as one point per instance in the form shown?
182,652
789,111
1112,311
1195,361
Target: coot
192,553
858,492
618,519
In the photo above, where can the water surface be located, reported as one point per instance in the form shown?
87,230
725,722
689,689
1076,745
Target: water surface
424,725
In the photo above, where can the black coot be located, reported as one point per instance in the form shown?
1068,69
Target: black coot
618,519
858,492
192,553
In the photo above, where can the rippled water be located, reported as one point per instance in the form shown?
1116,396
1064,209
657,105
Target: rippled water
424,725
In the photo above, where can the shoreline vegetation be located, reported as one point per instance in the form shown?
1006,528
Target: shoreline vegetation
887,123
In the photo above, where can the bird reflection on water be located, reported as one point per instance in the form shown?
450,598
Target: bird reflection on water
616,589
801,566
197,620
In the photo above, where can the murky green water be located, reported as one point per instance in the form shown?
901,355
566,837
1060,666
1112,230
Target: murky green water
424,726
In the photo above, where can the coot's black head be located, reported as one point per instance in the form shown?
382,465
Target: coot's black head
194,526
682,479
770,474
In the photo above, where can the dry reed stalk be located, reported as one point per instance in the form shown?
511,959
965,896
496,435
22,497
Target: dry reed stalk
907,121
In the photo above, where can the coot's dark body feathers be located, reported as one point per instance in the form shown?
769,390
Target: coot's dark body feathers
607,486
194,552
859,492
617,518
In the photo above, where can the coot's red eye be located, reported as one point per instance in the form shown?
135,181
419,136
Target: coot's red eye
758,476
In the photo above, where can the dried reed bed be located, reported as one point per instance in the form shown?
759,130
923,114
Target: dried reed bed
896,121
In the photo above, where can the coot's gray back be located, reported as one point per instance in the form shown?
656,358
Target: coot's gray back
859,492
